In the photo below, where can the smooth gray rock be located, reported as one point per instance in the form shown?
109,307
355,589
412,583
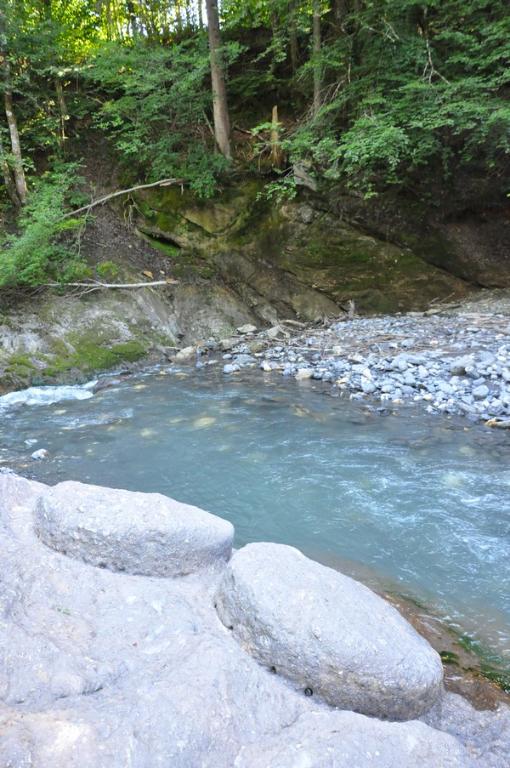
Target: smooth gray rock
480,392
139,533
40,454
197,707
485,733
231,368
102,669
247,328
367,386
349,740
328,634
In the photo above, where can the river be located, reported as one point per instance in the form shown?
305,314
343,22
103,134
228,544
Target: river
407,501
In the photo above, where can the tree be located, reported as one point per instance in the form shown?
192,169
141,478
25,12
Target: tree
293,39
316,53
19,173
219,90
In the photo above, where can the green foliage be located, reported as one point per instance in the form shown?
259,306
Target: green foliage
155,109
107,270
280,190
413,92
45,247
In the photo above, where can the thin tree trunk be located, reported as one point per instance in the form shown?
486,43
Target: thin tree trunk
133,21
200,14
316,52
276,147
339,8
19,173
62,107
219,90
8,181
293,40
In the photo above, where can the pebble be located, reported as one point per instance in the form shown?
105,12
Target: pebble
450,362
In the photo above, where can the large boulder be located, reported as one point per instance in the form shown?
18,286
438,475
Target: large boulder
327,633
140,533
348,740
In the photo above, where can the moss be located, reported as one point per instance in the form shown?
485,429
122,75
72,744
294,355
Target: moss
449,657
90,357
19,361
492,666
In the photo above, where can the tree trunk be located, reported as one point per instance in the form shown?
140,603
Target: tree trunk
339,8
293,40
133,21
62,110
6,173
200,14
219,90
316,52
19,173
276,147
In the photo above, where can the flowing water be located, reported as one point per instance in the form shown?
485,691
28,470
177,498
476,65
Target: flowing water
411,502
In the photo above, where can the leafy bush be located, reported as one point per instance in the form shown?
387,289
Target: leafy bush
44,249
413,91
156,105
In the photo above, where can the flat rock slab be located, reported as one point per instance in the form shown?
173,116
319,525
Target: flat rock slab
139,533
328,634
348,740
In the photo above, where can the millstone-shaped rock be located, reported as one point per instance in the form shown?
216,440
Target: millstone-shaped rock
140,533
348,740
327,633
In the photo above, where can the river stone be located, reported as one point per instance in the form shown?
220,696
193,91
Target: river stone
185,354
349,740
140,533
329,634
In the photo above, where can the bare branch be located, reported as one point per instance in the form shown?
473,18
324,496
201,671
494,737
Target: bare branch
96,286
101,200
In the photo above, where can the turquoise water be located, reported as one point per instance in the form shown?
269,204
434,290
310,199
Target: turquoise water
408,501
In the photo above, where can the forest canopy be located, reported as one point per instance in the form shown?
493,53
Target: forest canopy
371,94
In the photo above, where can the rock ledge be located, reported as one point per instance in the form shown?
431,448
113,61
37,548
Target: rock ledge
140,533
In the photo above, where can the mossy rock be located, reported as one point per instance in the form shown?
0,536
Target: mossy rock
90,357
325,256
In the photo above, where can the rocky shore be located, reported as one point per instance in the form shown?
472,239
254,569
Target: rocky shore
451,359
132,634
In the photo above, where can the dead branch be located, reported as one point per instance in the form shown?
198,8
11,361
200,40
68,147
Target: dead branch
101,200
96,286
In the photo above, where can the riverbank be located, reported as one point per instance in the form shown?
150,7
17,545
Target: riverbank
125,633
452,359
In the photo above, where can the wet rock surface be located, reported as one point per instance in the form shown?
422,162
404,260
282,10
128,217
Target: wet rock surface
101,669
327,633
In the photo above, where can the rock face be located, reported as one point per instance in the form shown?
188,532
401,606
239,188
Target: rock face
103,669
139,533
327,633
348,740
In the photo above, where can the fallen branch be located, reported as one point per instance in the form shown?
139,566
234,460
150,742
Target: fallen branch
99,286
101,200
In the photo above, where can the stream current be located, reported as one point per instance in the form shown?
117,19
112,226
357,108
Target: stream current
408,502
